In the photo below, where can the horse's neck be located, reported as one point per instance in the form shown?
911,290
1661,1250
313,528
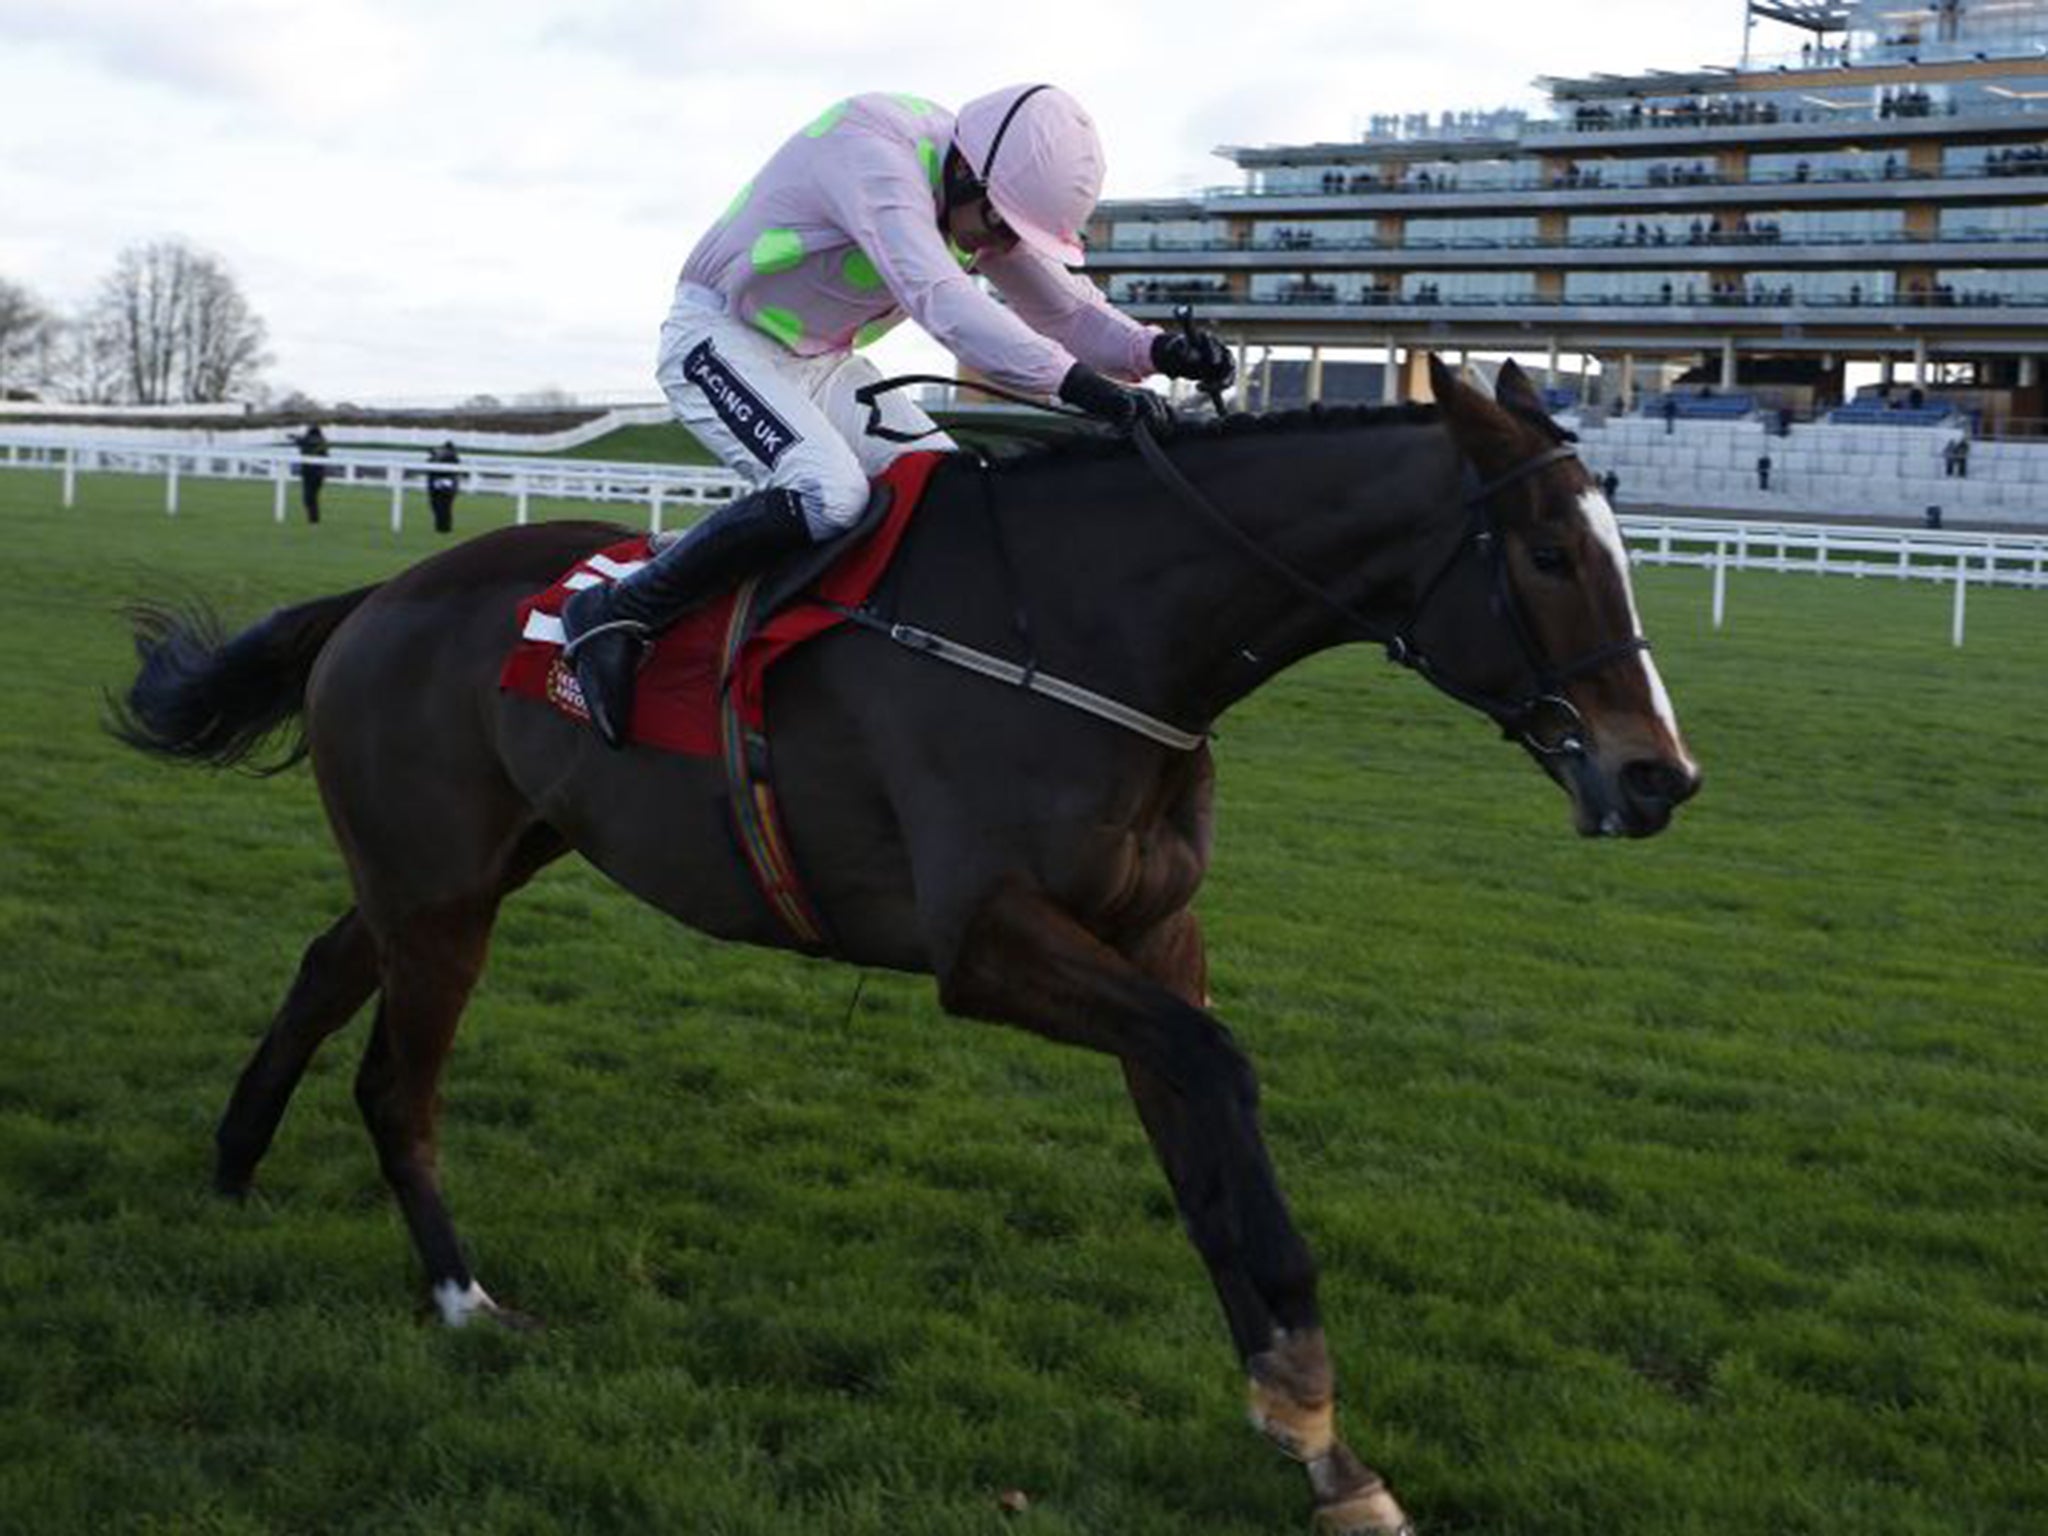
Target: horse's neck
1361,512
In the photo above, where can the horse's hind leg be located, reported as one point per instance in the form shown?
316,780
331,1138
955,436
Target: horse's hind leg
429,968
336,977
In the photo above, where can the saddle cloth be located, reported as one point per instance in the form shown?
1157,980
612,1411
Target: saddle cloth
676,698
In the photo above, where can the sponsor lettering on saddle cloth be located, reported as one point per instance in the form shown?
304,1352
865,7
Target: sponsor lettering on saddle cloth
676,697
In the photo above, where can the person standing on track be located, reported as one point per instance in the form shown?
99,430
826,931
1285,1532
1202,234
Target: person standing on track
884,206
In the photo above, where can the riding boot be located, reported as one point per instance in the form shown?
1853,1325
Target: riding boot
608,627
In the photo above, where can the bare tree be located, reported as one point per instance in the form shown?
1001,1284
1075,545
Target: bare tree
176,322
26,332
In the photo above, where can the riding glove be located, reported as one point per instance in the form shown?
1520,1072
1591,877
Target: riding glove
1112,402
1198,355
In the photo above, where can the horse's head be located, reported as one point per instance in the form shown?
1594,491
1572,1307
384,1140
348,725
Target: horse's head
1531,617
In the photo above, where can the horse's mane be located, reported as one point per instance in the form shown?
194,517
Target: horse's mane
1069,447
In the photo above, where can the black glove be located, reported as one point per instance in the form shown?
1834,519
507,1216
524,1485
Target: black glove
1198,355
1112,402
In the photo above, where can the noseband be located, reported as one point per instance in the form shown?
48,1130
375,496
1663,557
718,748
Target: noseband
1542,719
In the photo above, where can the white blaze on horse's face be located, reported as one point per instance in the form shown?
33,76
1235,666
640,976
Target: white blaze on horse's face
1607,529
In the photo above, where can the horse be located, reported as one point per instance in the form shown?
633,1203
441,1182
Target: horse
1037,860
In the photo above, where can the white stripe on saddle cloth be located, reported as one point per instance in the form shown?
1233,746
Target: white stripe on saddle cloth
546,627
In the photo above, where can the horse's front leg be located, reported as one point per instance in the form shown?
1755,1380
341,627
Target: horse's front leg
1025,961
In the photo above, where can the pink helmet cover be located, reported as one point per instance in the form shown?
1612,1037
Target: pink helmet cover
1047,175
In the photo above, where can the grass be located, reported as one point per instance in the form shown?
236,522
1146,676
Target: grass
1691,1186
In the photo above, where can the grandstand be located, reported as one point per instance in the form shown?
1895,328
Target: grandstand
1875,194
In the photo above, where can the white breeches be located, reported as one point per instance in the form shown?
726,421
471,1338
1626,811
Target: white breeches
777,419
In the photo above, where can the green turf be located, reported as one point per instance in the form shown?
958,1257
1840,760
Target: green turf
667,443
1663,1189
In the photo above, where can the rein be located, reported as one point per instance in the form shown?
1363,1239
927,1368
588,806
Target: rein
1543,719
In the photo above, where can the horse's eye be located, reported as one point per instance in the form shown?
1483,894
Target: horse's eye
1550,560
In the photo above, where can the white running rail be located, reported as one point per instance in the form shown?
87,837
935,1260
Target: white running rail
1841,549
657,486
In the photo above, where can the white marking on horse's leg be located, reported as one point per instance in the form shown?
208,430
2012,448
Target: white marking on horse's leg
1607,529
458,1304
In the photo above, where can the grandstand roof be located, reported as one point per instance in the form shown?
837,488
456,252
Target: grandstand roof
1813,15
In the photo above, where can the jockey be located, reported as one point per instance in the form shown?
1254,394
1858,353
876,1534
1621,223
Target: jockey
885,206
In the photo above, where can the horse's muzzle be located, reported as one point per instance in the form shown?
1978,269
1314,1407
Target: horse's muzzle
1650,790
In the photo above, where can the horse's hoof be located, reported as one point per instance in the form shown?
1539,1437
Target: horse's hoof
1352,1499
1374,1513
458,1306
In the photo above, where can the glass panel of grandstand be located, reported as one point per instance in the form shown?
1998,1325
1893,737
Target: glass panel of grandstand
1452,175
1650,229
1169,288
1995,160
1314,179
1829,226
1972,287
1997,221
1436,234
1644,171
1168,235
1323,234
1822,165
1318,288
1468,287
1637,287
1845,286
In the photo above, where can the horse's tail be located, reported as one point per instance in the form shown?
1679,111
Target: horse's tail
203,697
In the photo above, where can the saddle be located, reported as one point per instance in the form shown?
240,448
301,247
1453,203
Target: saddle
729,643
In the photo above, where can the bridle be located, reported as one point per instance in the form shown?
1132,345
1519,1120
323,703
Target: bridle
1542,719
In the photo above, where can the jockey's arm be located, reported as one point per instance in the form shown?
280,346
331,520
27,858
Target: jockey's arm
1073,311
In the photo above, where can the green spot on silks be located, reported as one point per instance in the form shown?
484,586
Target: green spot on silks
782,324
959,255
776,250
859,271
826,120
874,331
739,201
928,157
916,104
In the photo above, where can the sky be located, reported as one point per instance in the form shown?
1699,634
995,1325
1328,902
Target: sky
428,199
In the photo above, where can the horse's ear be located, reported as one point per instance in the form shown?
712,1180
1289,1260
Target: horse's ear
1513,390
1444,383
1479,426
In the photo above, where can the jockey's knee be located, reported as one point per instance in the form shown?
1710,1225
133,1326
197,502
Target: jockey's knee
832,503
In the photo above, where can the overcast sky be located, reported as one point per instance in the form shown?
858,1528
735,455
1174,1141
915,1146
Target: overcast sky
429,198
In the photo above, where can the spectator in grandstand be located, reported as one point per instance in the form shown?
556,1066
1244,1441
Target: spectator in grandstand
441,488
1955,458
1763,472
1670,414
1610,486
884,205
312,444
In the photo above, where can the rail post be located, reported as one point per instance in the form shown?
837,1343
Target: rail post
278,475
1962,589
654,507
1720,581
171,484
397,498
519,490
70,476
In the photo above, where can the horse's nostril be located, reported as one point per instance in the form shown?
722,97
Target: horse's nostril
1660,781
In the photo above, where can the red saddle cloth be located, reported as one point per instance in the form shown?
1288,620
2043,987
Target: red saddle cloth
675,701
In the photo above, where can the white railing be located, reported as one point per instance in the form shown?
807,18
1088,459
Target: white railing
657,486
1962,560
1720,545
